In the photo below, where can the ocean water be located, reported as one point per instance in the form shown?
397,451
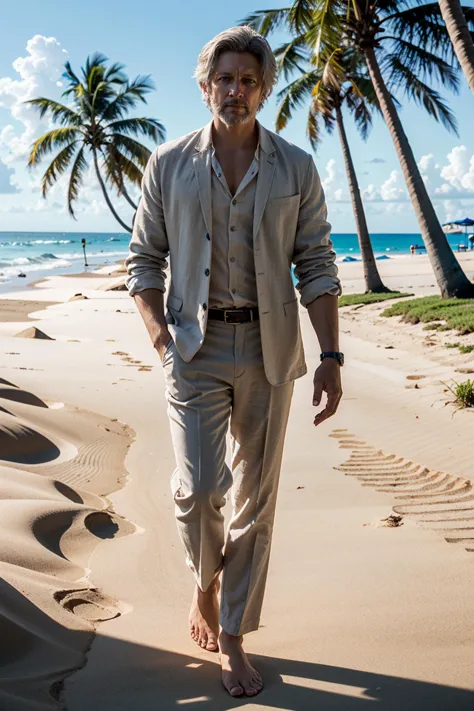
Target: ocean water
40,254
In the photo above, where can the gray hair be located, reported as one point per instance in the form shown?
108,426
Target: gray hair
237,39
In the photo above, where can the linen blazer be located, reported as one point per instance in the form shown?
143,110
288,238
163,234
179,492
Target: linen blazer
174,221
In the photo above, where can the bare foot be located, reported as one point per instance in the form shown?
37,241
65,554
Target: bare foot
204,617
238,675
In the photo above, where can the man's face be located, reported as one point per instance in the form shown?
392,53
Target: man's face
235,90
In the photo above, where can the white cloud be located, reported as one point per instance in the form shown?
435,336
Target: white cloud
332,182
390,190
6,180
458,173
39,73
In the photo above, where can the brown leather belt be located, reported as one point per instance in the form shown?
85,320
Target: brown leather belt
234,315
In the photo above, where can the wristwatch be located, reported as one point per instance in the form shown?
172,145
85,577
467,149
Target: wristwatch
337,356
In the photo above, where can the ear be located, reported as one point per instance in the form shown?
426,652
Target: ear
204,88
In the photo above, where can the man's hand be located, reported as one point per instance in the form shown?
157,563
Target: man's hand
161,342
327,378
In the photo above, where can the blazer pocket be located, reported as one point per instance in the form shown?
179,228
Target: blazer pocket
283,202
174,302
291,307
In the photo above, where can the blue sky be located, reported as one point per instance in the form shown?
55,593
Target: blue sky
164,40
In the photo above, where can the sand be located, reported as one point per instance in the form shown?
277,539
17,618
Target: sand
369,594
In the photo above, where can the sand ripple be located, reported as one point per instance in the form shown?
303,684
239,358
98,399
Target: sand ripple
435,499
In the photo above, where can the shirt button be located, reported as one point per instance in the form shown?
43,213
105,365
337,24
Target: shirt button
204,307
208,236
207,272
232,259
234,202
232,229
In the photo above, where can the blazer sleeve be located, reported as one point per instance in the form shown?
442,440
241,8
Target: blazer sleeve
148,249
313,256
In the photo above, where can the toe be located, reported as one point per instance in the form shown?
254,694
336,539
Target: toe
236,690
211,644
250,691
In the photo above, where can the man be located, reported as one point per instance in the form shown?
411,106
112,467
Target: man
233,205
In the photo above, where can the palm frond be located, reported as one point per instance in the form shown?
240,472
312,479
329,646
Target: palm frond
293,96
290,56
127,99
131,148
300,15
423,95
313,130
75,180
59,112
361,113
69,74
118,165
58,166
422,25
149,127
56,138
115,74
267,21
422,63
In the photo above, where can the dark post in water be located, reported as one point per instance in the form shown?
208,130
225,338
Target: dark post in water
84,248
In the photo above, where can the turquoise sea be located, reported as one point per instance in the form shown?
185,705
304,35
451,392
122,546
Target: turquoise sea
40,254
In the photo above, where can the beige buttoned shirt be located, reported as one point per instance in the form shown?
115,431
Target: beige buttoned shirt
232,277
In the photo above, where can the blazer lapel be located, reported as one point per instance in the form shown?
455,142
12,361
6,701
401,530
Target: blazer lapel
202,169
266,172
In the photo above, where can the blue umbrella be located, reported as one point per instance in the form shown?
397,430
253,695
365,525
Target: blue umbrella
466,222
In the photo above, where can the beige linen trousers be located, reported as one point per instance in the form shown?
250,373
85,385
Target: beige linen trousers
226,382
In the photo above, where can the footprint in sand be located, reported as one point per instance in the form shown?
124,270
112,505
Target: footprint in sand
91,604
415,377
435,499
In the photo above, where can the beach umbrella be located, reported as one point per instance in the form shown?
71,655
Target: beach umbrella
466,222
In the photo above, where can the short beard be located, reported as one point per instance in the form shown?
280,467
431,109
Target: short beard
230,119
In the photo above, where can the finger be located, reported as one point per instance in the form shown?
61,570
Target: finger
317,393
332,403
320,417
328,411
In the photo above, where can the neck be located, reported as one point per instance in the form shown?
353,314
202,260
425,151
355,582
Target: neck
241,136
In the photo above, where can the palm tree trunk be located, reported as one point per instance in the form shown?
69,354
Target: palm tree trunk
450,277
373,282
104,192
127,197
456,25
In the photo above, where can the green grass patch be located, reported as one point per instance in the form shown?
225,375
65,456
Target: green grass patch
451,345
466,349
354,299
464,393
458,313
432,327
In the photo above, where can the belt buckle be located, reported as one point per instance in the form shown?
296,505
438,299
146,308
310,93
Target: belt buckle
226,311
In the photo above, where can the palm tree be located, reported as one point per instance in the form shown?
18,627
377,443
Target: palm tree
95,125
407,42
461,38
340,81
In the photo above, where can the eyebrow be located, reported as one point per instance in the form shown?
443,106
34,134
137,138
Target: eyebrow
249,73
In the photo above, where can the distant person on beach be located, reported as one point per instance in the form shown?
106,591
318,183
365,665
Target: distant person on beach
233,206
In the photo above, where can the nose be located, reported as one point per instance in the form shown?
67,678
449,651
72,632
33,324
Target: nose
237,88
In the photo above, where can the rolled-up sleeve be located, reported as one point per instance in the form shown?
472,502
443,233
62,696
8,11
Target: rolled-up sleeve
148,249
314,258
